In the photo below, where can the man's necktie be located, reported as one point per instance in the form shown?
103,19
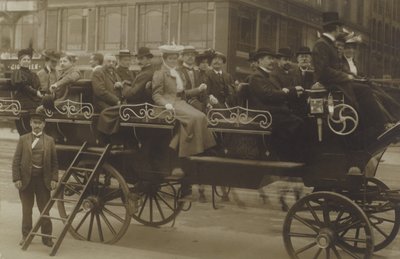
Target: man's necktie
36,140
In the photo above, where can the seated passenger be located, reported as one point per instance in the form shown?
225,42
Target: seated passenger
193,136
138,91
266,94
304,70
106,85
194,91
220,85
124,62
95,62
25,82
203,63
48,74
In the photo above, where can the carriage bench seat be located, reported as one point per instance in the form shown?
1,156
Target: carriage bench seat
247,162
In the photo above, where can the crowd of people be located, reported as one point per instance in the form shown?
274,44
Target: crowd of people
190,83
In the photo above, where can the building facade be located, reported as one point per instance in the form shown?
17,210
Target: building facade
234,27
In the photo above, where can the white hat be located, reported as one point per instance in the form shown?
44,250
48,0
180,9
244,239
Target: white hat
171,49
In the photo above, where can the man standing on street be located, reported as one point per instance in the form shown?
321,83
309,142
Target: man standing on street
35,174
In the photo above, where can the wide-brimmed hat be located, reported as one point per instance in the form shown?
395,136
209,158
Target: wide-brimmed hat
262,52
303,50
25,52
284,52
144,52
189,49
171,49
353,41
331,18
51,54
207,54
124,53
37,116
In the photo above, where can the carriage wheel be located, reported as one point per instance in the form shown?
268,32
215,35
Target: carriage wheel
103,216
159,203
383,215
321,224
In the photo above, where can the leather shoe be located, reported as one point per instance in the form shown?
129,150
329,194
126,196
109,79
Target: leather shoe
48,243
22,241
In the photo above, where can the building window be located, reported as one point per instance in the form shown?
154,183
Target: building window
74,30
26,31
268,30
247,20
111,28
5,37
294,34
197,27
153,25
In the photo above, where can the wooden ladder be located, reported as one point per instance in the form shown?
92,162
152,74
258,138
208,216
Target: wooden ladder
82,154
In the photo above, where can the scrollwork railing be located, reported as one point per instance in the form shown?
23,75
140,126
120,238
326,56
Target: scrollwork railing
146,112
10,106
239,117
72,109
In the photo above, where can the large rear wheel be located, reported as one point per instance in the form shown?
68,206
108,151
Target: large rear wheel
324,225
103,216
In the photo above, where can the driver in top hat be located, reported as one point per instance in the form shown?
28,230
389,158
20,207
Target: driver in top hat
328,71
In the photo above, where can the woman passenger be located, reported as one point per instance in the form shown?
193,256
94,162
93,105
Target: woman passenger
193,136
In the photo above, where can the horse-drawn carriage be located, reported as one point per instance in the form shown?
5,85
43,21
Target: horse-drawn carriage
349,212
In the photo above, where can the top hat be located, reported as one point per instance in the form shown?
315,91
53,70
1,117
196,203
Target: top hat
37,116
144,52
303,50
25,52
171,49
51,54
124,53
189,49
331,18
262,52
284,52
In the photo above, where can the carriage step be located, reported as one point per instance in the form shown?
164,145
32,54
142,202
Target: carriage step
42,235
82,169
90,153
55,218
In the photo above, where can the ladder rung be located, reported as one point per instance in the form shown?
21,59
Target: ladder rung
65,200
74,184
90,153
81,169
43,235
55,218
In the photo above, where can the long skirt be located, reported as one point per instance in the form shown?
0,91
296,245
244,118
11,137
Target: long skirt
193,136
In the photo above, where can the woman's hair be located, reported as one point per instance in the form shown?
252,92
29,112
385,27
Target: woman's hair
70,57
166,55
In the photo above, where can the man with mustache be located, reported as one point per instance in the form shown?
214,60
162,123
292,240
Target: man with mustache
35,174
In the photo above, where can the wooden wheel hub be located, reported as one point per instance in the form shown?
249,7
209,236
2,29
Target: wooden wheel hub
325,238
91,203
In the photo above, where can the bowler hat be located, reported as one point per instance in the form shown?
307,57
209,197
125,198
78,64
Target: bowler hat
303,50
144,52
284,52
329,18
262,52
25,52
124,53
37,116
51,54
189,49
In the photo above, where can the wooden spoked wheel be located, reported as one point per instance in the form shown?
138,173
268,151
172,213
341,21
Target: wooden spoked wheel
383,214
159,203
103,216
324,225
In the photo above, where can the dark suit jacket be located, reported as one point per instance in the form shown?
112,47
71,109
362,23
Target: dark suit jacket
286,79
221,88
136,93
265,93
304,79
22,162
104,93
125,74
192,94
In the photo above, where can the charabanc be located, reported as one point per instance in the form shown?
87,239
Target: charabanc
349,212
